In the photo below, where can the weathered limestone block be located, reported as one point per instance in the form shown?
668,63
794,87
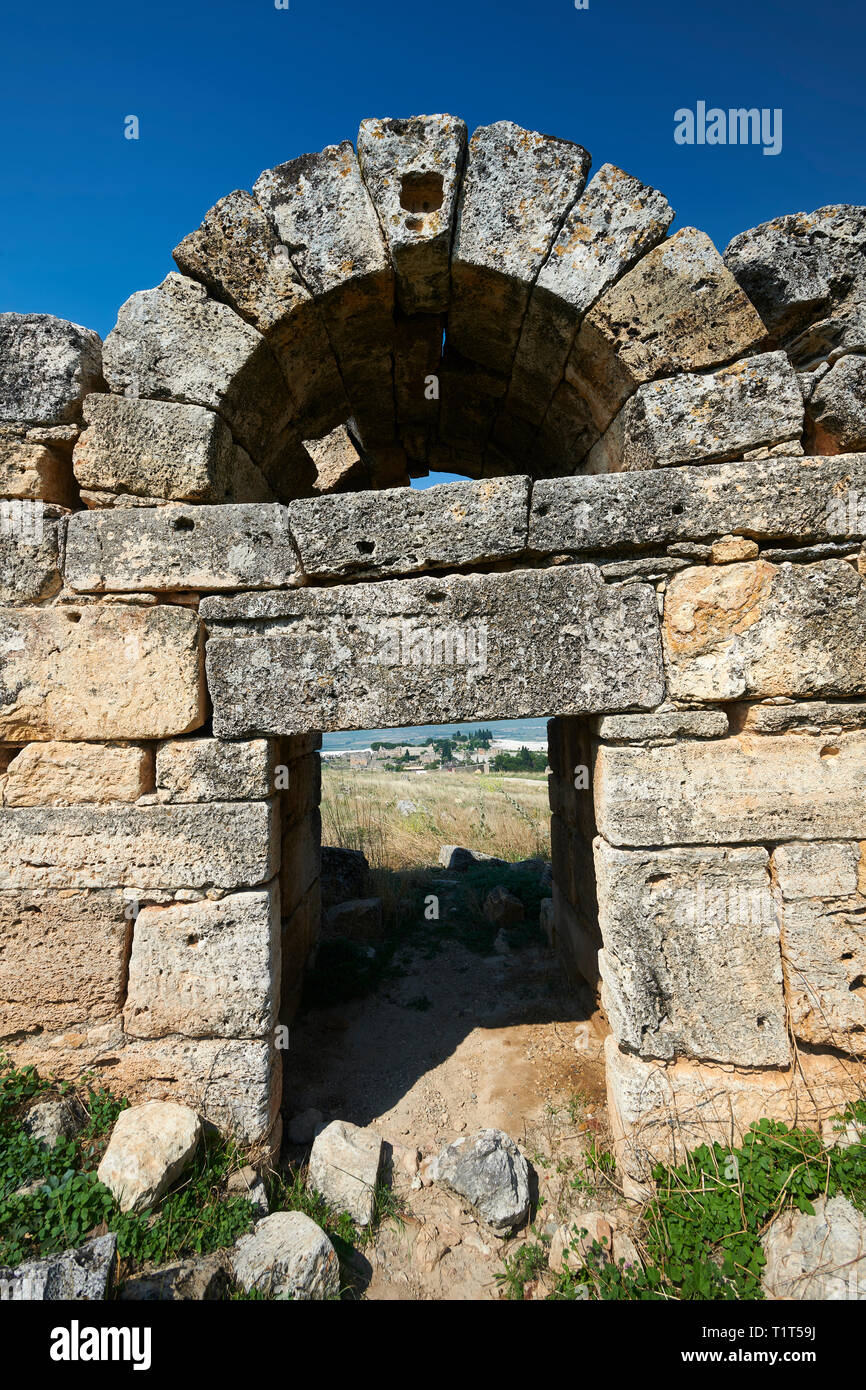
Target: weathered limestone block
303,793
339,466
727,550
517,188
29,553
567,433
301,860
837,407
300,933
150,1147
824,942
792,497
659,1113
375,655
99,672
470,397
691,964
162,549
63,956
206,969
344,1169
155,449
325,216
207,769
762,629
65,774
662,725
47,366
174,343
821,1256
402,531
704,417
801,267
30,469
743,789
223,844
813,717
412,170
235,1083
616,221
678,310
237,254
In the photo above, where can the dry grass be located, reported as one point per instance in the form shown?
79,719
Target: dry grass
506,816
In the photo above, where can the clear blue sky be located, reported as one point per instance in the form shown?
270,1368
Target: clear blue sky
224,89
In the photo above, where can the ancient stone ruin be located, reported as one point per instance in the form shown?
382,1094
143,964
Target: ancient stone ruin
209,556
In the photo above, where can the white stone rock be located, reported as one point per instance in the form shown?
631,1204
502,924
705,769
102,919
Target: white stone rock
344,1168
149,1148
289,1256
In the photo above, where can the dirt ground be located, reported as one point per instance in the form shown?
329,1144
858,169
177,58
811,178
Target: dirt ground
457,1043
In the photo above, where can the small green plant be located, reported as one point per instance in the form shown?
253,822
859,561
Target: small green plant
520,1269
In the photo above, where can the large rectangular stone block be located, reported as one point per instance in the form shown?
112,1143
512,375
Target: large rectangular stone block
160,549
384,655
401,531
46,366
206,969
661,1112
64,774
798,498
763,629
691,965
745,789
210,769
823,905
30,543
63,956
224,844
235,1083
99,672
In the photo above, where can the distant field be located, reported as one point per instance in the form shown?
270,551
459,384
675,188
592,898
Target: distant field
503,815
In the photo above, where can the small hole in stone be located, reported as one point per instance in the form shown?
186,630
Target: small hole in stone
829,751
183,523
421,193
366,547
72,615
858,984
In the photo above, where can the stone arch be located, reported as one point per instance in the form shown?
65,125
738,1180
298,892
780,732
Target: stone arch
652,543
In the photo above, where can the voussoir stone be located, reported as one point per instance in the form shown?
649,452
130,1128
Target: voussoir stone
225,844
99,672
488,1170
149,1148
205,969
162,549
741,789
412,170
704,417
47,366
401,530
678,310
344,1168
374,655
287,1256
615,222
517,188
691,964
760,629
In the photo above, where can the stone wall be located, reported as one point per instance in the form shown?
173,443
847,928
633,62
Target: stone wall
661,544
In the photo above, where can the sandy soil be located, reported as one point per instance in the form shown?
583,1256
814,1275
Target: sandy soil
460,1042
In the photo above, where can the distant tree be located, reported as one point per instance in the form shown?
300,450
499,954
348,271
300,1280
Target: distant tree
524,760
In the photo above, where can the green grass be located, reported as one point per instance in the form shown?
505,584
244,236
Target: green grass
702,1228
